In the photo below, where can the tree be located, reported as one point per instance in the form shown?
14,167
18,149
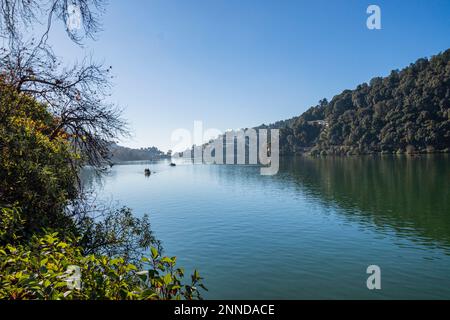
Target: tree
19,15
55,120
409,109
35,171
76,95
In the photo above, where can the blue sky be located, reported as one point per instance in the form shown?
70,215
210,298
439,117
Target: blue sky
241,63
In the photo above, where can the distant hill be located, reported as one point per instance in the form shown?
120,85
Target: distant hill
279,124
119,153
407,111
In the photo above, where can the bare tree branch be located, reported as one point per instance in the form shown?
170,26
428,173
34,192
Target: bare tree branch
18,16
76,95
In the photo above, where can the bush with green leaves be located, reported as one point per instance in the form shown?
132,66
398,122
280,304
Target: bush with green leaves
42,270
11,224
53,122
35,168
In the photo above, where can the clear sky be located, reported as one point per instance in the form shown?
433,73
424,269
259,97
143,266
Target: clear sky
241,63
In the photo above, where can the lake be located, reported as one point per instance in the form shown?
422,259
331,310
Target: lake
309,232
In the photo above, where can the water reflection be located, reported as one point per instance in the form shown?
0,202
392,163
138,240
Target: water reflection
411,195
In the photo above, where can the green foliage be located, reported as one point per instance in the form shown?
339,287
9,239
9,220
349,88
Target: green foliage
41,270
119,153
406,112
54,121
117,233
38,177
11,225
35,172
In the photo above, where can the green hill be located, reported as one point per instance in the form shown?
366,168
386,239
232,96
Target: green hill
407,111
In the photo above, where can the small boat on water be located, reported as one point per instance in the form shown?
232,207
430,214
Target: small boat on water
172,164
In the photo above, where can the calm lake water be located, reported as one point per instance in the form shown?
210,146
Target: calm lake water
308,232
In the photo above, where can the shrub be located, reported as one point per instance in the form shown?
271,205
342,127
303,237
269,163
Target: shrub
42,270
11,224
35,171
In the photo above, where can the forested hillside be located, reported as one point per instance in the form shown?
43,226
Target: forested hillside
119,153
405,112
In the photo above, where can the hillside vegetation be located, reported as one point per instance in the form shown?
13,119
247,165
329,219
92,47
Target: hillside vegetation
405,112
119,154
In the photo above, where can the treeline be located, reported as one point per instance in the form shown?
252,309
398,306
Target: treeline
119,153
405,112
